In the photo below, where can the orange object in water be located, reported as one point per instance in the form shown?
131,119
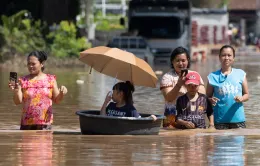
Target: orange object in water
169,121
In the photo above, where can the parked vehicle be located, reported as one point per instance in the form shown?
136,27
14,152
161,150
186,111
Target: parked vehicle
134,44
165,24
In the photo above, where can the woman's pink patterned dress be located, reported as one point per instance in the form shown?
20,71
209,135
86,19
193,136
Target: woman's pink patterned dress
37,100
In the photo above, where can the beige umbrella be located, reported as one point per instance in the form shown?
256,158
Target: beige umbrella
120,64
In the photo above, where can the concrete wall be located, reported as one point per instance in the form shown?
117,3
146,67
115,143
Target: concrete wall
209,28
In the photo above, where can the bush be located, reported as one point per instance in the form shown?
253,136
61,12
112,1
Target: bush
108,23
20,35
64,40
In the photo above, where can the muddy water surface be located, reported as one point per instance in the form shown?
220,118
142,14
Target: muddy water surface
65,146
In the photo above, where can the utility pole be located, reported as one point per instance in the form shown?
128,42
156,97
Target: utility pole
89,11
123,3
104,8
90,19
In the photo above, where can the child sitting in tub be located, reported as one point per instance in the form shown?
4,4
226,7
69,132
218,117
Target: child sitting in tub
123,102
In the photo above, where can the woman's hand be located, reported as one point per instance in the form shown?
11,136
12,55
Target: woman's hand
213,100
239,99
14,86
17,89
63,90
181,81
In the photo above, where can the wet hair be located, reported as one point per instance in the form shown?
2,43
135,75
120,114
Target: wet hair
127,88
40,55
178,51
227,46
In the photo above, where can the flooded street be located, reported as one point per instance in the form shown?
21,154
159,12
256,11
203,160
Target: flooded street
66,146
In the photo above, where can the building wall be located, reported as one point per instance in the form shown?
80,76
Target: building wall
209,28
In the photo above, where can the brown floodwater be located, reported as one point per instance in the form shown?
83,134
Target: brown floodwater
66,146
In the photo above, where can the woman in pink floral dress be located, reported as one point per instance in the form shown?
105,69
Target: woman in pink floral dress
36,92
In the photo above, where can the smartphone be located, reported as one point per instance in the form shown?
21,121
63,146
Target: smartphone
13,77
184,72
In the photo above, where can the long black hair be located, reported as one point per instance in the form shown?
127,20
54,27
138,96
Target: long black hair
177,51
227,46
127,88
40,55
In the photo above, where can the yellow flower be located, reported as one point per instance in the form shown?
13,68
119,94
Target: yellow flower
30,121
44,114
36,100
201,108
50,94
25,95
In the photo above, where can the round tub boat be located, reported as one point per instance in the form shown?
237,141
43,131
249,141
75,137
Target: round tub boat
93,123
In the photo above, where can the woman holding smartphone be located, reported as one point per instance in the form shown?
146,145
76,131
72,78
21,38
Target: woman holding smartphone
172,84
36,92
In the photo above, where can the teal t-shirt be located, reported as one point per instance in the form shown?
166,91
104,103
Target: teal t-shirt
226,87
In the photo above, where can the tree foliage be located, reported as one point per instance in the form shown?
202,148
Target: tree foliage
64,40
20,35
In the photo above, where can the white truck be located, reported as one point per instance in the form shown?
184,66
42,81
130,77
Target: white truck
165,24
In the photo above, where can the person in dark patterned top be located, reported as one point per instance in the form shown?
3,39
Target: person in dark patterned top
192,107
173,85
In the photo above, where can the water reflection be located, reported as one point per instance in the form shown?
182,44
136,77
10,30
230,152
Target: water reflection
45,148
228,150
35,149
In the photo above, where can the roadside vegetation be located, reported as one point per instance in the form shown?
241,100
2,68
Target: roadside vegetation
20,34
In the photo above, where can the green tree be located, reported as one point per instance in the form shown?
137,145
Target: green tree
20,35
64,40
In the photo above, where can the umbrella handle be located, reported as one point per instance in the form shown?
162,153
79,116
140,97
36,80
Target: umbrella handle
115,79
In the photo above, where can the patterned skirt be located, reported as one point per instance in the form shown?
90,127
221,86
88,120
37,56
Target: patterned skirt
170,116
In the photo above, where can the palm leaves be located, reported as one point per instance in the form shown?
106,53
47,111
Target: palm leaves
20,35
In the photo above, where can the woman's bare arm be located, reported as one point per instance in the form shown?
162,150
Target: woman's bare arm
18,95
202,89
58,93
171,93
245,92
209,91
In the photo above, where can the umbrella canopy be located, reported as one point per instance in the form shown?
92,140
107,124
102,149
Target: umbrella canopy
121,64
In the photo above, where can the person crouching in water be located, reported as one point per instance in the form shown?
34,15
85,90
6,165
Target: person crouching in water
192,106
123,102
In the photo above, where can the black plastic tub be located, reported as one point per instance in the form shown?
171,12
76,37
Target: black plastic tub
93,123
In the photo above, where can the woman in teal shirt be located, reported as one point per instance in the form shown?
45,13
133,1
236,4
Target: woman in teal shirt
227,90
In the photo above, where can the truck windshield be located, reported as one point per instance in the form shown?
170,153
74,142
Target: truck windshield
157,27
